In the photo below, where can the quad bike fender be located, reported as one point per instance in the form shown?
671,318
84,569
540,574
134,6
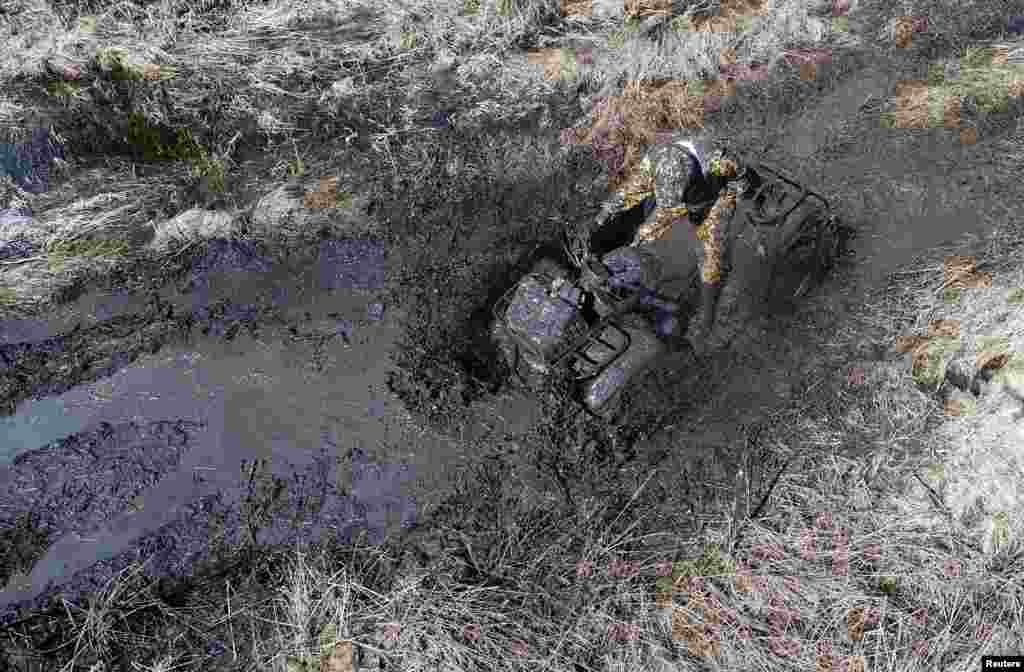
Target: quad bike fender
644,349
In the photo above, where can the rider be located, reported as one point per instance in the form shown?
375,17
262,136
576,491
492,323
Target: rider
689,179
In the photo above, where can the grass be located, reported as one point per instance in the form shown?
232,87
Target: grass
979,75
852,561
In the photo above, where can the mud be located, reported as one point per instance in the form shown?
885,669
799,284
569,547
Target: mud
129,431
92,477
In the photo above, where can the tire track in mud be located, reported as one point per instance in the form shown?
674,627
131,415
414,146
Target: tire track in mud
228,287
86,355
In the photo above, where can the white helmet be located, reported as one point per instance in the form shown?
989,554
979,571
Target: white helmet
698,149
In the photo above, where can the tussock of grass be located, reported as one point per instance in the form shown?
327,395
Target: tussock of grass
982,76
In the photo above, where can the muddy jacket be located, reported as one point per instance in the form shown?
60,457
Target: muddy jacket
687,180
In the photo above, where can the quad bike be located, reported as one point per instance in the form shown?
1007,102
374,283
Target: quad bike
567,319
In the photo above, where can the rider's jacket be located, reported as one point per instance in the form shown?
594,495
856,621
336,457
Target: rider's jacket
687,178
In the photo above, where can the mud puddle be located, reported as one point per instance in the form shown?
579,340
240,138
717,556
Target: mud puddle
147,455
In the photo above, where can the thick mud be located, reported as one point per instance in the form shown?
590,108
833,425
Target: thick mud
133,406
131,433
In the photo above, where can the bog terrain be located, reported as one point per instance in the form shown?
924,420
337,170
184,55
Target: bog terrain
251,418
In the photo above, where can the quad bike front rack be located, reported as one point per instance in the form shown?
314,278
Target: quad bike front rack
804,193
825,236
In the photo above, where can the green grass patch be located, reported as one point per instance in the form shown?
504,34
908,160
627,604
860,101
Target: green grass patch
630,29
712,563
988,82
343,199
1015,296
1012,373
7,296
930,366
87,24
951,296
993,344
935,473
114,61
212,169
60,89
681,24
156,143
306,662
62,250
1000,529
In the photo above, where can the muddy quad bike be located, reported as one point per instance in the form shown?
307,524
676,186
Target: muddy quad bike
569,320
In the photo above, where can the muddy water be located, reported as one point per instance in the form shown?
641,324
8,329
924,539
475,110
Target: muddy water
309,386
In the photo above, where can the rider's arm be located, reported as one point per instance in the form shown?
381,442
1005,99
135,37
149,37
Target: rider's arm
638,185
717,230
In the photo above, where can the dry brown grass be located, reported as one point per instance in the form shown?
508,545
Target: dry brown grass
622,127
733,16
645,8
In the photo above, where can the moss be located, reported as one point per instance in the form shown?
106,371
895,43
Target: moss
1016,296
712,563
888,585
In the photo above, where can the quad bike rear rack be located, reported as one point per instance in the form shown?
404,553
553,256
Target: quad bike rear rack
575,349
